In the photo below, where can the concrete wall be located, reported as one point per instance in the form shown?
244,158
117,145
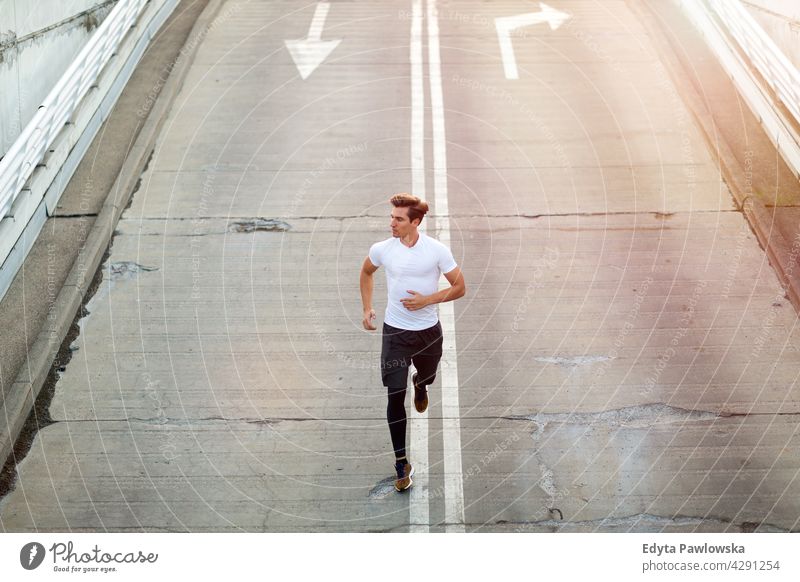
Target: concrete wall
38,41
781,20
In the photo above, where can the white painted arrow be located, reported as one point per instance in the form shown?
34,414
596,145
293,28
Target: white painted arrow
507,24
308,53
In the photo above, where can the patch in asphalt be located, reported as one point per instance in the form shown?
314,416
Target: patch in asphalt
571,362
643,416
259,224
127,270
383,489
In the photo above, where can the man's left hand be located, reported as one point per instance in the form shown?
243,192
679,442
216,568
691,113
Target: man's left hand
418,301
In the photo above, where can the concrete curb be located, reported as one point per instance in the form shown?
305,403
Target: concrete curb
18,403
780,253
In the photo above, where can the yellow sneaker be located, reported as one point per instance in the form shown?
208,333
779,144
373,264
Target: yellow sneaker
404,472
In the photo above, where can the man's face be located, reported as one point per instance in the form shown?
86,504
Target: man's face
400,224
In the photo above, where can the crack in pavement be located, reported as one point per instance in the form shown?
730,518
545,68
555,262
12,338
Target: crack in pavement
341,217
648,519
247,420
75,215
642,416
540,419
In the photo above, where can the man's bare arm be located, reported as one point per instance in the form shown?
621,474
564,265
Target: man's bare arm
367,284
458,288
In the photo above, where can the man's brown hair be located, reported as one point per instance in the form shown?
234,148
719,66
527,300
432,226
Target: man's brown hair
416,207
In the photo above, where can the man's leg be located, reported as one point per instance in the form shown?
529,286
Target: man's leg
426,361
426,368
396,417
394,373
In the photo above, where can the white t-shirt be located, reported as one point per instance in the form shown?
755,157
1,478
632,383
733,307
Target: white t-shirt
416,268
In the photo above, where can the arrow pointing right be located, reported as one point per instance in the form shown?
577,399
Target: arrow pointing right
507,24
308,53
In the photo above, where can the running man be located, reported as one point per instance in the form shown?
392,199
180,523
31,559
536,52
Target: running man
412,333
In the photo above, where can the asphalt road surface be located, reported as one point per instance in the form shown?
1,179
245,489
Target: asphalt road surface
624,359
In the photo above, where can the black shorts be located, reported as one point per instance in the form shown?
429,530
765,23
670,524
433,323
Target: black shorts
403,347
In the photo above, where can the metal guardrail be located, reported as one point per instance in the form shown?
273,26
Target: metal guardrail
782,76
29,149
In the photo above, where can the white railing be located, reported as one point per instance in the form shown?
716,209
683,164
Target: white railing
768,58
29,149
741,44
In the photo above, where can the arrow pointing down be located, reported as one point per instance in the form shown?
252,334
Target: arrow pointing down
308,53
507,24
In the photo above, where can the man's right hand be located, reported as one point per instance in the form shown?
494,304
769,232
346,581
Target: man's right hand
369,316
